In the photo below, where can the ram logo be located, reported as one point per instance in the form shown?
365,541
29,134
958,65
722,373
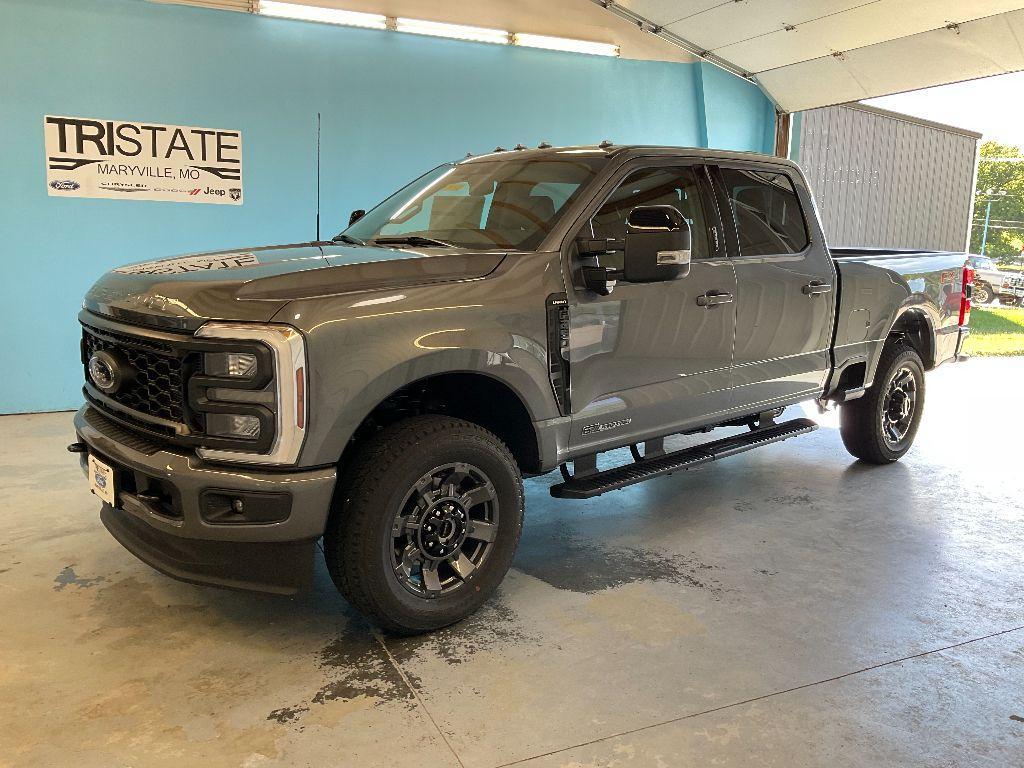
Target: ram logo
593,429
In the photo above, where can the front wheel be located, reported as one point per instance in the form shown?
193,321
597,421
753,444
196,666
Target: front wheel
982,294
880,426
425,523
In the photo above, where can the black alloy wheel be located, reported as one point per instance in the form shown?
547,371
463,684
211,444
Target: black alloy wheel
444,529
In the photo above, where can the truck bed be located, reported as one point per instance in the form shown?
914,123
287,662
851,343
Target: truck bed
922,300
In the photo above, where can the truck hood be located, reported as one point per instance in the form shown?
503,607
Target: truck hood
254,284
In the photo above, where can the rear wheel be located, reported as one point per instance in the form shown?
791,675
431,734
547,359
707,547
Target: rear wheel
880,426
426,523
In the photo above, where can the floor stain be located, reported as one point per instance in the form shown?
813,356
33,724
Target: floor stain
286,715
494,625
1018,718
566,561
68,578
354,665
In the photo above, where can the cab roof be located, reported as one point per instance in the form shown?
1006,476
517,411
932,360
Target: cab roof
609,151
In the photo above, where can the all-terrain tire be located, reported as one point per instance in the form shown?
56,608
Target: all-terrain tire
359,540
862,421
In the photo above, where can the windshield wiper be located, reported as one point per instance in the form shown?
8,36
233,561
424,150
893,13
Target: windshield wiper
412,240
343,238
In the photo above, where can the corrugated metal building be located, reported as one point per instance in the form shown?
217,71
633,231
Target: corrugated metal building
885,179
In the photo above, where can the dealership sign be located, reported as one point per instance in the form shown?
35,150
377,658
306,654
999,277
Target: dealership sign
142,161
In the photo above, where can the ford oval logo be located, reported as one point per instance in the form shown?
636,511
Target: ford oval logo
106,372
64,185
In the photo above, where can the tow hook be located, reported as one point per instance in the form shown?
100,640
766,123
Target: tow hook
78,448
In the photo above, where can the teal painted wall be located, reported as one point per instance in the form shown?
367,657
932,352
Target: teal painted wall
392,106
735,114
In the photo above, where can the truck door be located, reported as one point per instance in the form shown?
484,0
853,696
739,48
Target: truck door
786,280
649,359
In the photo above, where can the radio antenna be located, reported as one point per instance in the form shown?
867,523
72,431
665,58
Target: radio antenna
318,177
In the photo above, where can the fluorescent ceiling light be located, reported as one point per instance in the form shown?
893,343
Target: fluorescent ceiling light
457,31
565,44
324,15
434,28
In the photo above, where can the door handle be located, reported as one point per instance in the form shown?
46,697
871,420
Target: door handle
713,298
816,287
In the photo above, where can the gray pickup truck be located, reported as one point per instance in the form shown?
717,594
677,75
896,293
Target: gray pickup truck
992,283
506,315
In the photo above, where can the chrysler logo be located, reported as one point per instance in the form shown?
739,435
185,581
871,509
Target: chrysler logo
106,372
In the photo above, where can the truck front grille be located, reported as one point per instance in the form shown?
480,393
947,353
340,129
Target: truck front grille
156,387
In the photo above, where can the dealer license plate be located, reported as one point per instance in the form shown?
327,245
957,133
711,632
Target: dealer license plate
101,480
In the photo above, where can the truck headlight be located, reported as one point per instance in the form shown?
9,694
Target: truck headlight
255,393
233,425
240,364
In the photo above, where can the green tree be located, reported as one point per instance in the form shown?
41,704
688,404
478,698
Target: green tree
1006,223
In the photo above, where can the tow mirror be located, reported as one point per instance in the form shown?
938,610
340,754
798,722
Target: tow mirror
657,245
355,216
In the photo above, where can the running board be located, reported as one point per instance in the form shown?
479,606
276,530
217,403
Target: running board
595,483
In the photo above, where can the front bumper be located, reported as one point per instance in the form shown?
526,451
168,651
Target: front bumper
173,511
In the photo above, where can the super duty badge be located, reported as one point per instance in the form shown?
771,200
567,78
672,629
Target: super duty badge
593,429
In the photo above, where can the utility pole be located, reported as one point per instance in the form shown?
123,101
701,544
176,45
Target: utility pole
993,195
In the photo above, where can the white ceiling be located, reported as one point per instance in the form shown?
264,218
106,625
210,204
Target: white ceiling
812,53
803,53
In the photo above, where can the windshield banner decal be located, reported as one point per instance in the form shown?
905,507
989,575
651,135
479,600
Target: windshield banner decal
182,264
142,161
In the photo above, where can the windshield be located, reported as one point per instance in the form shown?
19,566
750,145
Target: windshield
983,262
508,202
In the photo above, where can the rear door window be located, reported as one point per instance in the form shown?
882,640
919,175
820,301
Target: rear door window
769,219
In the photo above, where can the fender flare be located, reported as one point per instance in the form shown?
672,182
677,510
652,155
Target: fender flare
927,355
537,401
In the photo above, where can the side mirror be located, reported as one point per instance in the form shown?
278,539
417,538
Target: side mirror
657,245
355,216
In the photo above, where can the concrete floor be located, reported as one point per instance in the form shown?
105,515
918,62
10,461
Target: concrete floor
787,607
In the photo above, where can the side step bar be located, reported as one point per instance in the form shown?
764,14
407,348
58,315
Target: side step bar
585,486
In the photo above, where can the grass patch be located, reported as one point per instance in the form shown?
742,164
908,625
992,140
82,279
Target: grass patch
996,332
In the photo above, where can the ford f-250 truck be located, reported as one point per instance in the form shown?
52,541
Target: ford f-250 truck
509,314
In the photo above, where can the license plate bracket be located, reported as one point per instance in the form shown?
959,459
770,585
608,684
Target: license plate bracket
101,480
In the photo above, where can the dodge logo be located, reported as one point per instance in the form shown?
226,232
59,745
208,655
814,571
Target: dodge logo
106,372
